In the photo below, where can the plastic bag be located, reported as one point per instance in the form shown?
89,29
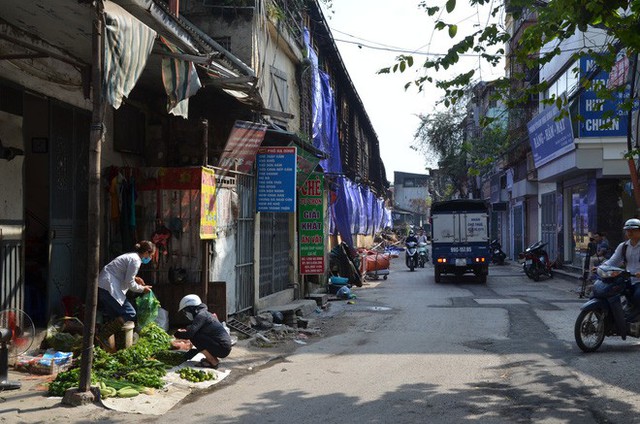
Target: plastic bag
147,308
163,319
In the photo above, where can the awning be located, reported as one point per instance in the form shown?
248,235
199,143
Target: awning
61,29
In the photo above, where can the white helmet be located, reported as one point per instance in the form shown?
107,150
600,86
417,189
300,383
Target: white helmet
189,300
632,224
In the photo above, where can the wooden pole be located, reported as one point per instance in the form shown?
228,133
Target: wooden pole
93,234
205,244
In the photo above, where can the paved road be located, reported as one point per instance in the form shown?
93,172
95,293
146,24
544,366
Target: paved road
413,351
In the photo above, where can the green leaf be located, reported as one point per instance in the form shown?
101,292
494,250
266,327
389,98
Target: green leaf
453,30
451,5
410,60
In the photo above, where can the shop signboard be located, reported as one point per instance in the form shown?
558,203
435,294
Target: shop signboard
550,135
208,215
276,179
311,224
594,122
243,143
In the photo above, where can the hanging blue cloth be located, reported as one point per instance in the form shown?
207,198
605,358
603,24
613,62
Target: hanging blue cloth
341,212
327,140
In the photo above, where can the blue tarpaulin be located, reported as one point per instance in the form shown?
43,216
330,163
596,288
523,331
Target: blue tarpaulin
354,209
362,212
327,140
341,212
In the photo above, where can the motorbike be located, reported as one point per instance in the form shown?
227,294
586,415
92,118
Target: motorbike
423,254
609,311
536,261
411,256
497,255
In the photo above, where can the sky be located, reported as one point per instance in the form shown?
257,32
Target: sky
399,25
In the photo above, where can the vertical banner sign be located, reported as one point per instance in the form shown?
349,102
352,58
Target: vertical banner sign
208,216
311,221
276,179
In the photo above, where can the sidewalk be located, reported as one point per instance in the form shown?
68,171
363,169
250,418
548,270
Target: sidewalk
30,403
566,277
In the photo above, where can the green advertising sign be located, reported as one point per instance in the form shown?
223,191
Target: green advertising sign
311,222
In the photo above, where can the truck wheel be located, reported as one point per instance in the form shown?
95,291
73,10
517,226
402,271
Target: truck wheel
437,275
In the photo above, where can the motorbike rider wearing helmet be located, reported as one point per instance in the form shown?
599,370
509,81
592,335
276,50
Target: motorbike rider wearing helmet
204,331
631,258
410,238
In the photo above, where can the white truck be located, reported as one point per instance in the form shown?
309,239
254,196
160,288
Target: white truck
460,238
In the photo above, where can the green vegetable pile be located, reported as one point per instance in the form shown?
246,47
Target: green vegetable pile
196,376
131,367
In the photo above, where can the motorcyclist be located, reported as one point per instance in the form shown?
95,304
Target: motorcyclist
422,237
631,258
410,238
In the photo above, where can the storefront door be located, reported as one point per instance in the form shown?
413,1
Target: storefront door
518,229
578,196
69,161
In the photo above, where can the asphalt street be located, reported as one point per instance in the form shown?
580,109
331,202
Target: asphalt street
409,350
413,351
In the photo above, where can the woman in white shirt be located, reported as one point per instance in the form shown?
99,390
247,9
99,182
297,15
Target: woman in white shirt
115,280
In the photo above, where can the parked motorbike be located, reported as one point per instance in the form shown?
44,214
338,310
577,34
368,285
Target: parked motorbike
536,261
423,254
497,255
609,312
411,255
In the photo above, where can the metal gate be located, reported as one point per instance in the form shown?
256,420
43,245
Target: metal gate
244,243
274,253
68,205
548,224
518,230
11,282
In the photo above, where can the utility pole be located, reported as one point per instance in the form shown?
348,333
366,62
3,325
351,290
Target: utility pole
95,153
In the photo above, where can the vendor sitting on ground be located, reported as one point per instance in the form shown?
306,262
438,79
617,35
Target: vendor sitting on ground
204,331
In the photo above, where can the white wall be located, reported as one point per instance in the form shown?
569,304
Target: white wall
592,38
404,195
223,267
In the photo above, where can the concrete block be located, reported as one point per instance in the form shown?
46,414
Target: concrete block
74,397
321,299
